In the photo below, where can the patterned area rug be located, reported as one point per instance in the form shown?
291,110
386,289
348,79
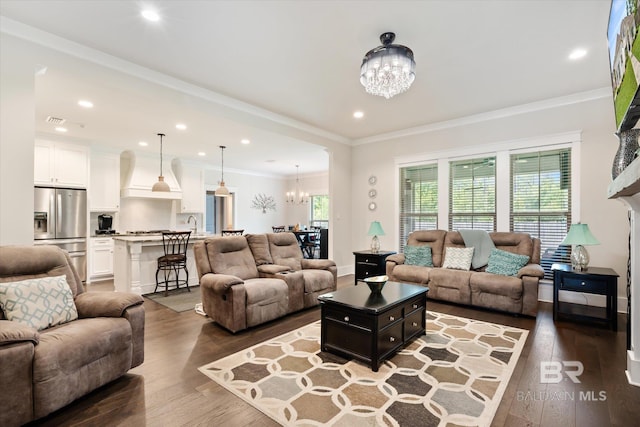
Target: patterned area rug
455,375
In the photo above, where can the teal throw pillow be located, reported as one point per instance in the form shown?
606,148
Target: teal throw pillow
418,255
40,303
505,263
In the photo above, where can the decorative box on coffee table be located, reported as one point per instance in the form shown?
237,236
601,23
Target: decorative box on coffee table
372,327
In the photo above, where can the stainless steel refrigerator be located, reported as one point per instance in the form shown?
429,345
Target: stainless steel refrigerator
60,218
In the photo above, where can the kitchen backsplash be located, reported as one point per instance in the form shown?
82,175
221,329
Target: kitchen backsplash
146,214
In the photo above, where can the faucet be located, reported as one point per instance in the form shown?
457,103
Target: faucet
195,229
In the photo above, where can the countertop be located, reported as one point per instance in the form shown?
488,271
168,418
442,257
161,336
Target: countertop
153,237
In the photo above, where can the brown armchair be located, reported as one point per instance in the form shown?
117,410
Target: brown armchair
53,366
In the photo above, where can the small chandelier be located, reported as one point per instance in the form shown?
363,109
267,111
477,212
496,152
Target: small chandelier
297,196
161,185
222,191
389,69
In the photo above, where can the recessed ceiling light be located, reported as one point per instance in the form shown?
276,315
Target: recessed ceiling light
61,129
181,126
577,54
201,153
245,141
86,104
358,114
150,15
143,143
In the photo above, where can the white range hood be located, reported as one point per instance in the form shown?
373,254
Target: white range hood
138,173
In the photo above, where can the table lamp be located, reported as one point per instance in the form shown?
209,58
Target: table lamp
375,230
579,236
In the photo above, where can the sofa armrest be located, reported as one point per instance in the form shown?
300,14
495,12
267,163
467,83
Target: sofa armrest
397,258
272,268
317,264
105,304
14,332
533,270
219,283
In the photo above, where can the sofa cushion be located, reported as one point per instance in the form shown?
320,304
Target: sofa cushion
418,255
231,256
40,302
433,238
496,292
450,285
457,258
285,250
505,263
317,280
267,299
77,357
411,273
259,246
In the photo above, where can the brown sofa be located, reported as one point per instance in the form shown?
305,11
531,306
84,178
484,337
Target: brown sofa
248,280
514,294
42,371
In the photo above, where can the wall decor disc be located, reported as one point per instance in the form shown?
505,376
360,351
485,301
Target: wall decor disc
372,206
373,193
373,180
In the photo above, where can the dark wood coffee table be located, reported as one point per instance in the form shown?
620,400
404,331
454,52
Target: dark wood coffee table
372,328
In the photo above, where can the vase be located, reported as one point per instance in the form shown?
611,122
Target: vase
626,151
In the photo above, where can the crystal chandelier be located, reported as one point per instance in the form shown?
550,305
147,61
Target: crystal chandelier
297,196
389,69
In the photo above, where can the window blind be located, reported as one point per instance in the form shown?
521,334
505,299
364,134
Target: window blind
541,201
418,200
472,194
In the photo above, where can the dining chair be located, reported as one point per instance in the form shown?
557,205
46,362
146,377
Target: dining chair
312,243
174,259
232,232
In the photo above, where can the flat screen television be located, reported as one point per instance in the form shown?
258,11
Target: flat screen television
624,58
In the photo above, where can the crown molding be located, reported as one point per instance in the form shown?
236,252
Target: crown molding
491,115
51,41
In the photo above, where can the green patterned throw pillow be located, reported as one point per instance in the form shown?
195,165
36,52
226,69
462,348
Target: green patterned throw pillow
40,303
505,263
418,255
457,258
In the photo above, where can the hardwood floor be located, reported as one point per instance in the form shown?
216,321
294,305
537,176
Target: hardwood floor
168,390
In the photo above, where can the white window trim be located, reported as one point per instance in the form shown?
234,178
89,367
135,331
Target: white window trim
502,151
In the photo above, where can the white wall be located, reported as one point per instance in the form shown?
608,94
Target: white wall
17,106
607,219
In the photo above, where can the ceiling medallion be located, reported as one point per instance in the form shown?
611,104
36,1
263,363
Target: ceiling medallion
389,69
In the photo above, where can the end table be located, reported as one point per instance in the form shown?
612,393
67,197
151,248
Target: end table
369,263
594,280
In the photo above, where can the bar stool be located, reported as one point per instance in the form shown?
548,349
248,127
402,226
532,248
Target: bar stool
174,258
232,232
278,228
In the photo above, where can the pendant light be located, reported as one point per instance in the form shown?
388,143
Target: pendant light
222,191
161,185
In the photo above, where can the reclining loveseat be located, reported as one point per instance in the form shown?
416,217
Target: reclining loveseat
249,280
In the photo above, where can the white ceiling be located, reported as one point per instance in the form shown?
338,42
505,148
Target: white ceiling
284,73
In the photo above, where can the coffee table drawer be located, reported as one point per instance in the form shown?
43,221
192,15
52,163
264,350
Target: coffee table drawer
413,305
389,317
390,339
414,324
349,318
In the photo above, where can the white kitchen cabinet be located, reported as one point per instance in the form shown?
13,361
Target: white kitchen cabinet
191,180
104,188
100,257
60,164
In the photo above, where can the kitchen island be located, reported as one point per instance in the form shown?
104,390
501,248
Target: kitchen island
135,261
